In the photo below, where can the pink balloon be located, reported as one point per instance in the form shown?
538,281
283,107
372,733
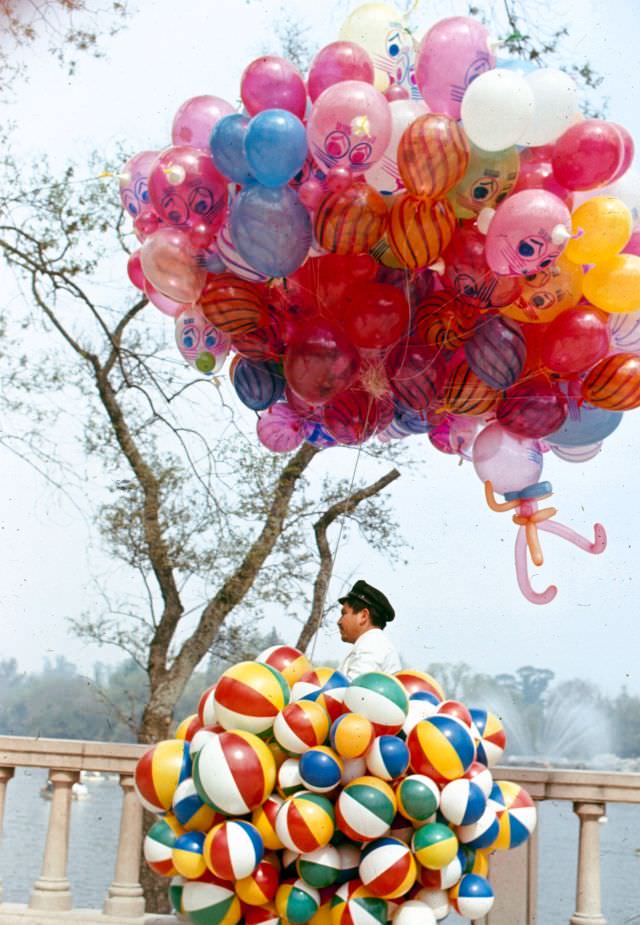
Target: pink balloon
194,121
337,62
451,55
134,192
528,233
510,463
162,302
134,271
201,344
187,190
588,155
349,126
169,262
273,83
280,428
633,244
536,172
628,152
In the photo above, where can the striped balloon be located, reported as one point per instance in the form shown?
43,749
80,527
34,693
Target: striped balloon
354,904
232,259
258,384
305,822
419,230
211,902
440,322
625,331
232,305
264,819
441,747
415,374
235,772
301,725
614,383
249,696
433,155
233,849
280,428
297,902
387,868
158,845
576,454
159,772
352,221
465,393
352,416
414,681
381,698
537,407
489,735
516,814
365,809
264,343
497,351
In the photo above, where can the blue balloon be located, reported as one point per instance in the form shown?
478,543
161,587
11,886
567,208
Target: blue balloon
227,147
275,146
271,229
320,438
585,425
258,384
408,421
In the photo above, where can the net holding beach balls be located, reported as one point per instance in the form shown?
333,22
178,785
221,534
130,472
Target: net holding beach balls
441,747
289,780
324,686
387,868
289,661
305,822
489,735
388,757
436,900
261,885
210,902
188,727
414,912
352,735
157,847
354,904
365,809
320,868
481,775
414,681
188,859
516,814
234,772
249,696
159,771
320,769
297,902
191,811
462,802
434,845
483,833
418,798
301,725
233,849
422,705
207,706
264,819
381,698
472,897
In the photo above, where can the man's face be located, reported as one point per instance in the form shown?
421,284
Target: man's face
351,623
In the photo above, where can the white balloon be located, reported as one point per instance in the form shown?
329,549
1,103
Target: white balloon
624,328
497,109
384,175
576,454
555,106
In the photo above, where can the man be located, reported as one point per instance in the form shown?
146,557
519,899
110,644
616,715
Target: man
364,614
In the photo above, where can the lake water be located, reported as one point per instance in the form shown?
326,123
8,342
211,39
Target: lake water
94,836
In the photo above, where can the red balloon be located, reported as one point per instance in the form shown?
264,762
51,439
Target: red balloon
588,155
375,315
628,152
533,408
135,272
536,172
415,373
263,343
353,416
467,273
321,281
575,341
319,362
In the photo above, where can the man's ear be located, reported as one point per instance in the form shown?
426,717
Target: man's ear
365,616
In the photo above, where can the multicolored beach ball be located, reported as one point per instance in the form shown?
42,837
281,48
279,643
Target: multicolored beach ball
188,859
234,772
301,725
388,757
297,902
441,747
516,814
324,686
233,849
261,885
489,735
387,868
290,662
436,900
159,771
157,847
434,845
320,868
381,698
472,897
289,780
462,802
260,915
211,902
365,809
414,912
418,798
249,696
414,681
352,735
264,819
190,810
354,904
320,769
483,833
305,822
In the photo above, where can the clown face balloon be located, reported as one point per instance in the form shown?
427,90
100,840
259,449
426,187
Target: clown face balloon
134,193
380,29
489,178
528,233
200,344
187,190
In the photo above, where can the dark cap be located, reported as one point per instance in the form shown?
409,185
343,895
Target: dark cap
370,597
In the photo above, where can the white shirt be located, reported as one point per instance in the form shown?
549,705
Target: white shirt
373,651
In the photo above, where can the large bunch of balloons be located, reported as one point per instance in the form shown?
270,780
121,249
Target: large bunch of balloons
407,240
295,796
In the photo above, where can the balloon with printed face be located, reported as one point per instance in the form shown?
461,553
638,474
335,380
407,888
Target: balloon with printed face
451,56
547,293
227,147
196,118
134,192
271,229
169,263
614,383
275,146
349,126
319,362
588,155
433,155
555,105
419,230
497,109
199,343
381,29
468,277
509,462
614,284
187,190
351,222
533,408
575,341
489,178
271,82
337,62
523,233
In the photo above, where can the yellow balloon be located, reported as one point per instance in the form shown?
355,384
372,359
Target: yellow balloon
604,224
548,293
614,285
381,30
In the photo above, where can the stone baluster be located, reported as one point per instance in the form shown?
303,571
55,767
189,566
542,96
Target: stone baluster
588,910
125,896
52,890
5,776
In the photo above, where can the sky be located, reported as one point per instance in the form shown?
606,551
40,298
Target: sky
456,598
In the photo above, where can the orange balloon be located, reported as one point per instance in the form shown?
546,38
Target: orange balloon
465,393
442,321
352,221
232,304
433,155
547,293
614,383
419,230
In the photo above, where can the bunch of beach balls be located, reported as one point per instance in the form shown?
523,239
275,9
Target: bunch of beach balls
296,796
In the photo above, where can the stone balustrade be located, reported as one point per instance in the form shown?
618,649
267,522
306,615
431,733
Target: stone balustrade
51,899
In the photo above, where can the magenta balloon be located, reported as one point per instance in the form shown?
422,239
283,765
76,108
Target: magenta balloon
134,271
336,62
169,262
162,302
134,187
280,429
509,462
349,126
588,155
194,121
520,240
627,154
451,55
273,83
319,362
186,189
633,244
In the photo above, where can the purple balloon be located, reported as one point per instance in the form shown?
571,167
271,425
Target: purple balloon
271,229
194,121
280,429
497,351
